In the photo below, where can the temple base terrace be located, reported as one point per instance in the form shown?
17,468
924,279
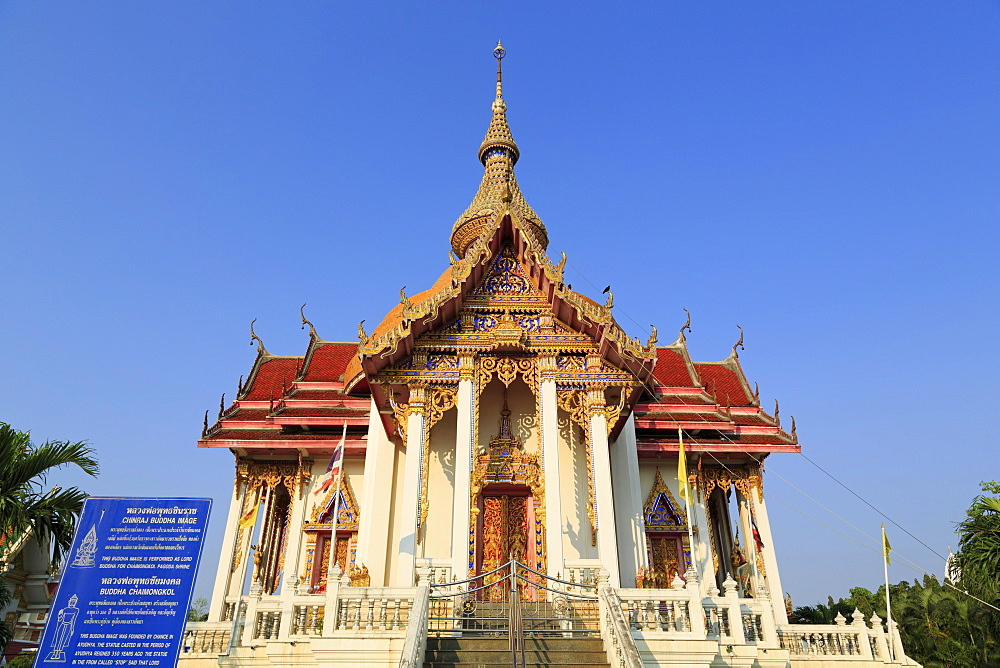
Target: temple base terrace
390,626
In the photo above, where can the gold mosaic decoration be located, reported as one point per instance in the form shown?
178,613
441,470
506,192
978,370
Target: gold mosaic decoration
441,400
507,369
256,473
575,403
744,477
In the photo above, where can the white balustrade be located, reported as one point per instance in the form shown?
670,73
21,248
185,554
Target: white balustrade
374,609
307,620
821,640
206,638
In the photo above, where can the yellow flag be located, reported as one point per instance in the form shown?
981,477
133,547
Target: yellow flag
886,548
250,517
682,468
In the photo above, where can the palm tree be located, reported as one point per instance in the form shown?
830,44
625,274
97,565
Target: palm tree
978,560
25,506
979,543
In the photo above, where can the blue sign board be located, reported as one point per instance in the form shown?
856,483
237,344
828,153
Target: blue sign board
126,585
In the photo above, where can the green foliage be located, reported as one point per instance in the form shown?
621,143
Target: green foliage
198,612
22,660
6,632
979,545
821,614
939,625
26,507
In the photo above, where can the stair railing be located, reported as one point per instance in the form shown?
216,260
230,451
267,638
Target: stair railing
517,655
416,632
618,633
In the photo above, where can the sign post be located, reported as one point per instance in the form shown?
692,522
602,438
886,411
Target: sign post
126,585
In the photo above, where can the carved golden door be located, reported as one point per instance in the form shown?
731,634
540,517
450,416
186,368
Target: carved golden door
322,559
665,550
503,536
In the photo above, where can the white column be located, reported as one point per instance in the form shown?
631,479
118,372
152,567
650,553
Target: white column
373,532
301,501
460,557
604,500
550,474
701,551
413,471
628,504
290,578
770,560
222,574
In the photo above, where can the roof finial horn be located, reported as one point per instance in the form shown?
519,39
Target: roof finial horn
739,344
685,327
261,350
312,330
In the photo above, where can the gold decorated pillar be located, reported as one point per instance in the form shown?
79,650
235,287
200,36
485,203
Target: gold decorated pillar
549,426
413,474
294,532
604,502
462,560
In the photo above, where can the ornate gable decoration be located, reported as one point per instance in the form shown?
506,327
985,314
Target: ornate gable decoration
506,277
347,511
661,512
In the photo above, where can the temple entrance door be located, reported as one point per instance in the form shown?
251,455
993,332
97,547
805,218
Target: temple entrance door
503,535
665,550
321,563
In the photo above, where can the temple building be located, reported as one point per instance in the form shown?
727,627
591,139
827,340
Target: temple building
498,474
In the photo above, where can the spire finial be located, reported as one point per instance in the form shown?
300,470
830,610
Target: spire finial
499,53
498,191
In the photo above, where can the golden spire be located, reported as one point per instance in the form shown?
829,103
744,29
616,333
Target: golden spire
498,139
498,190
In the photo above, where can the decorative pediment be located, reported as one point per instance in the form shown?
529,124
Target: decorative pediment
506,277
661,512
346,508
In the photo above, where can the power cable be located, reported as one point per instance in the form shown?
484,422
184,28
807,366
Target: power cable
908,563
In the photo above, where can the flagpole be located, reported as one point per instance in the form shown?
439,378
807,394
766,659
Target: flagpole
686,493
756,550
888,608
336,504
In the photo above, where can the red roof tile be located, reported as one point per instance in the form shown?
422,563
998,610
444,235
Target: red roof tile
329,360
724,383
272,378
670,369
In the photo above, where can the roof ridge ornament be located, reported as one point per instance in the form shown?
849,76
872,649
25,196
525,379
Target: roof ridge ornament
261,350
312,330
652,337
738,344
681,339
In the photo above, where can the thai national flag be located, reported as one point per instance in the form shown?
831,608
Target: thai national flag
333,469
756,533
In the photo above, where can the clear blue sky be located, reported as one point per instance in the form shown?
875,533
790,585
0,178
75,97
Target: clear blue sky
823,174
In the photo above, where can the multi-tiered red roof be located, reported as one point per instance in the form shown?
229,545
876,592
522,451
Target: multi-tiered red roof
291,402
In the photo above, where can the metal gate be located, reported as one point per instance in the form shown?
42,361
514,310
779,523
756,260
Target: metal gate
517,602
